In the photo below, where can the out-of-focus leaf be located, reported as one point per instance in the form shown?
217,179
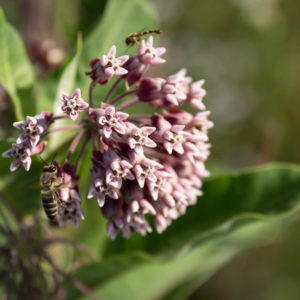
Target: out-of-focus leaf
237,212
204,257
20,189
120,18
66,84
16,70
105,271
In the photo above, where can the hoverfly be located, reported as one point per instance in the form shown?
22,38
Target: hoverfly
136,37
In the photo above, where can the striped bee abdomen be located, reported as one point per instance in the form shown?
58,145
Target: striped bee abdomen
49,204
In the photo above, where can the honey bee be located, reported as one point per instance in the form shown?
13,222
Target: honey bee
50,183
135,37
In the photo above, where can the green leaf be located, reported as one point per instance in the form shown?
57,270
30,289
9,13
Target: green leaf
20,189
66,84
105,271
16,70
235,213
119,19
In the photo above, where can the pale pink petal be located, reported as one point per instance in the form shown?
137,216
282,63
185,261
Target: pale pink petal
14,165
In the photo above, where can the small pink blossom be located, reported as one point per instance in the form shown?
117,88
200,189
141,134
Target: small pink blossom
32,131
71,210
100,190
160,223
136,68
175,138
145,170
176,87
139,138
147,207
110,119
150,55
150,90
119,170
97,73
112,65
21,156
160,184
177,116
196,94
73,104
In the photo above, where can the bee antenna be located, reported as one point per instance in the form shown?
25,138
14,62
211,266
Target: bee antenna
43,161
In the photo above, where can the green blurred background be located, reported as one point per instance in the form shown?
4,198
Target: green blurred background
248,51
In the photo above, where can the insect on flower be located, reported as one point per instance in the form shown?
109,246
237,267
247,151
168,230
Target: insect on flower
136,37
50,183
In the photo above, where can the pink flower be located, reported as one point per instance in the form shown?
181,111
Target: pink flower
160,184
71,210
175,138
32,131
136,68
73,104
139,138
21,155
177,116
33,128
145,170
119,170
196,94
126,219
97,73
110,119
160,223
112,65
100,190
150,55
149,90
176,87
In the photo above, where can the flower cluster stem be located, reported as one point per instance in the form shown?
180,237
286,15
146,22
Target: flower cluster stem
113,87
86,140
115,100
74,145
128,103
92,86
67,127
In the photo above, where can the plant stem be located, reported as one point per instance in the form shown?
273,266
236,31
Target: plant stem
61,129
92,85
123,96
112,89
77,245
81,152
128,103
74,145
76,283
60,117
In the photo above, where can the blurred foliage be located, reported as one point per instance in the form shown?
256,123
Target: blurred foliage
248,52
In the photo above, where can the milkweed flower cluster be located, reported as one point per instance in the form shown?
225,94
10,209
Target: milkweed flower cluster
29,142
142,164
